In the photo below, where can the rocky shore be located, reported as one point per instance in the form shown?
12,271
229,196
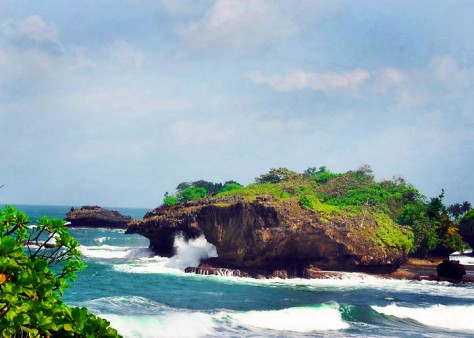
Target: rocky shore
413,269
97,217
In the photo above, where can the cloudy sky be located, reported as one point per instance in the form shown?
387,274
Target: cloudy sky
116,102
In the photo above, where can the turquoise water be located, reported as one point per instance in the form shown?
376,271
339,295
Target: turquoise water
146,296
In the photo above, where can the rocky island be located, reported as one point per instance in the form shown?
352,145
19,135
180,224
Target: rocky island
295,225
97,217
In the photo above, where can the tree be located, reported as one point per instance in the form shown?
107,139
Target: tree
170,200
191,194
36,265
230,185
458,209
277,175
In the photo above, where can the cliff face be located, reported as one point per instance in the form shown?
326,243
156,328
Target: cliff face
97,217
268,235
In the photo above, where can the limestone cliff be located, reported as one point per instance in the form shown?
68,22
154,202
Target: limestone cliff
97,217
269,235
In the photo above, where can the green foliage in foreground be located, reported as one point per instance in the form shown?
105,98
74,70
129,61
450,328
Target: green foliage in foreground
33,274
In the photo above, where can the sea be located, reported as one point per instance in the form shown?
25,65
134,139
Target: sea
146,296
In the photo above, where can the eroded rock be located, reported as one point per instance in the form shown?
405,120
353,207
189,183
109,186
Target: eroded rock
267,236
97,217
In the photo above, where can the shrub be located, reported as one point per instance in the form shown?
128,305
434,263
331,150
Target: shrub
29,305
170,200
191,194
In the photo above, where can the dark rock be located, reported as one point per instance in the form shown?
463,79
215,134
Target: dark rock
264,235
283,274
96,217
451,270
204,269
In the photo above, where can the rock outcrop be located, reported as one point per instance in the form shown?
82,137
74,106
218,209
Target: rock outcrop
271,236
97,217
451,270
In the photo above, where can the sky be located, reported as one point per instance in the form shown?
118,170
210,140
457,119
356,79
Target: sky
116,102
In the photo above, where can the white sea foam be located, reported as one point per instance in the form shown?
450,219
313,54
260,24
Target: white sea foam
101,240
464,258
199,324
109,252
171,324
188,253
454,317
296,319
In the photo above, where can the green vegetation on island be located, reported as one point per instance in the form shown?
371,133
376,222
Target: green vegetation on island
405,218
36,265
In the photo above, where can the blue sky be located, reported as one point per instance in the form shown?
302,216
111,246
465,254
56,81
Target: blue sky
116,102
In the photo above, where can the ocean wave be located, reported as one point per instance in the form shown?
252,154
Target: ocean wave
324,317
173,324
452,317
101,240
110,252
124,305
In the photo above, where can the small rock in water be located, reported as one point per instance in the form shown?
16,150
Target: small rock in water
451,269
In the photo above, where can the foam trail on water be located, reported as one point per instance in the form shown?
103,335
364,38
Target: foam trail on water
297,319
442,316
124,305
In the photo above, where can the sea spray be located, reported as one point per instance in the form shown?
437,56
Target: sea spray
188,253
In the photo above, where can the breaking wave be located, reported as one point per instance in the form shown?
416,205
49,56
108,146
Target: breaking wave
108,252
454,317
323,317
168,322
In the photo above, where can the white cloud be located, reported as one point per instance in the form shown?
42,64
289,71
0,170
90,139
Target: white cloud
192,132
239,25
124,52
442,81
446,71
184,7
299,80
32,28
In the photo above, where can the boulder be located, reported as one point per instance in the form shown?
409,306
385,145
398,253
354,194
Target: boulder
96,217
451,270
